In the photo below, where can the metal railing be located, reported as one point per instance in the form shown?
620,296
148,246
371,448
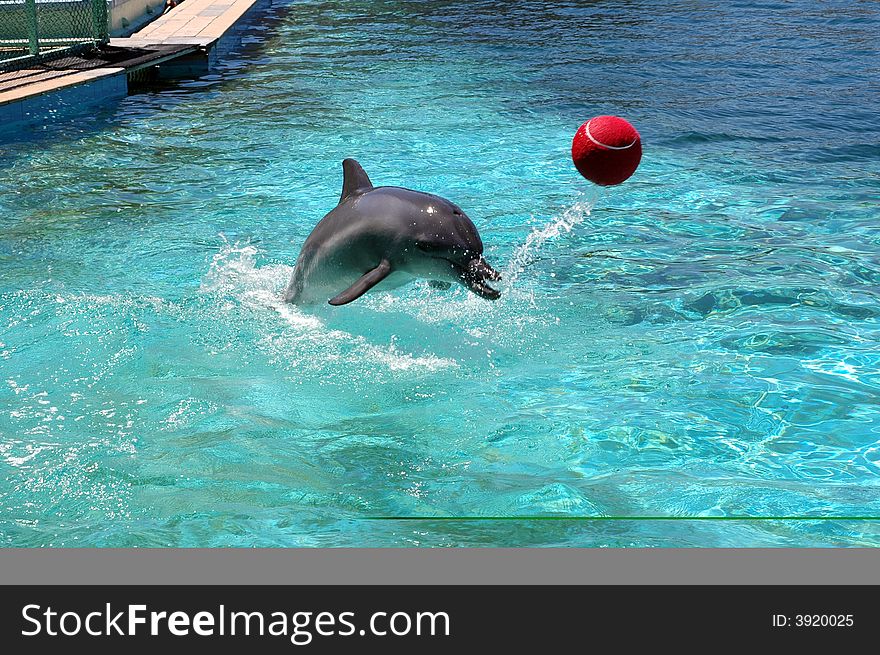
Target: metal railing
37,30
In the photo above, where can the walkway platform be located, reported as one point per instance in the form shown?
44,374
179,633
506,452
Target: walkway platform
84,68
199,22
180,43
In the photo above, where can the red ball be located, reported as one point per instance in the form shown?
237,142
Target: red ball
606,150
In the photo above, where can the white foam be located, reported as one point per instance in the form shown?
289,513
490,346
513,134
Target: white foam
304,340
234,271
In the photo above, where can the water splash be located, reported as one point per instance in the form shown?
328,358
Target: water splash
530,250
302,339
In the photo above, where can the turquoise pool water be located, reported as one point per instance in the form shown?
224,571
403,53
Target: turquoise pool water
702,341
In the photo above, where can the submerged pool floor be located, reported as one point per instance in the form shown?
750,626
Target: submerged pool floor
702,341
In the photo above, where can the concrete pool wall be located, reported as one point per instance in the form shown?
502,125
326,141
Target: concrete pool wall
127,16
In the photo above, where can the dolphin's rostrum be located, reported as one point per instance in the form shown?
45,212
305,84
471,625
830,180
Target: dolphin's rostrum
387,236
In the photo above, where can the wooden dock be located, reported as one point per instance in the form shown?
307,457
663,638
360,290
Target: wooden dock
180,42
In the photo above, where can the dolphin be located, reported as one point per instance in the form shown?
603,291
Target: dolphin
385,237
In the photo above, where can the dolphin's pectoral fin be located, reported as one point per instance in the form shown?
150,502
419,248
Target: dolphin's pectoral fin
366,282
354,180
439,284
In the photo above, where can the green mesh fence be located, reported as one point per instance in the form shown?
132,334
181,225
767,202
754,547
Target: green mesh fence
32,31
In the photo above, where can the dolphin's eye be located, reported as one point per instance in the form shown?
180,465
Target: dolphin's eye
455,212
423,246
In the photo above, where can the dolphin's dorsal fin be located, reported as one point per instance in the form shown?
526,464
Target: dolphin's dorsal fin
354,180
